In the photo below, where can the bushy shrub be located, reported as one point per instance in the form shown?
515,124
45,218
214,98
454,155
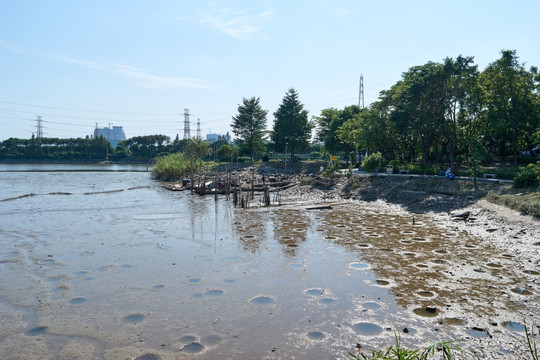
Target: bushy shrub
372,162
528,176
171,167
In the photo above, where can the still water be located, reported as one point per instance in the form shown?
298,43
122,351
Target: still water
107,265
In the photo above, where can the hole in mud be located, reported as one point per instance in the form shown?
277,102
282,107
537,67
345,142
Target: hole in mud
193,348
292,245
470,246
77,301
531,272
367,329
229,281
454,322
410,254
521,291
440,261
262,300
428,311
133,319
441,251
45,262
477,333
362,245
494,265
426,293
188,339
194,281
127,266
382,282
405,241
422,266
147,357
508,255
479,270
213,293
419,239
36,331
158,287
358,265
314,292
330,238
316,335
510,325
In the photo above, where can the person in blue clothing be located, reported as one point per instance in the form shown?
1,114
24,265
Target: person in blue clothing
450,173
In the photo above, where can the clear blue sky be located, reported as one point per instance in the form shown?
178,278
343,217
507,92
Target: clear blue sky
139,64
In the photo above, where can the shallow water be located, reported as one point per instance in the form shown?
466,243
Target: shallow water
108,265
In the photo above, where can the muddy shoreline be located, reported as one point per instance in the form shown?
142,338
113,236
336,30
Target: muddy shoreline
459,208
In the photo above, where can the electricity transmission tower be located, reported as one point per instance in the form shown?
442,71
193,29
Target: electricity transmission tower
361,93
186,124
39,127
199,128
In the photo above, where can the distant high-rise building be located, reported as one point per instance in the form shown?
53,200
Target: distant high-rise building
114,134
212,137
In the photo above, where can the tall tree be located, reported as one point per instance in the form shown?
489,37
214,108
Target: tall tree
508,93
249,125
328,125
292,129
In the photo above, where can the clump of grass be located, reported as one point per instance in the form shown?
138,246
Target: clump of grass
171,167
446,350
531,345
528,203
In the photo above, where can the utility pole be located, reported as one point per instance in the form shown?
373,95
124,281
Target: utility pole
361,93
39,127
186,124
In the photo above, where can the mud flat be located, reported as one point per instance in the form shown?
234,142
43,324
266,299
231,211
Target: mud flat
459,261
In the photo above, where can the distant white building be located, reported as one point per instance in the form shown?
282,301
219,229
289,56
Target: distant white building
114,134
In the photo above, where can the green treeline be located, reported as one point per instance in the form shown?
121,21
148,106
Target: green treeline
138,148
445,112
439,114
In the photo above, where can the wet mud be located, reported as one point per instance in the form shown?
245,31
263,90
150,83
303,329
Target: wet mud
148,274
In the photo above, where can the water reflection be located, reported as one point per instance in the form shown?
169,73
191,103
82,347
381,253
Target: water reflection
290,229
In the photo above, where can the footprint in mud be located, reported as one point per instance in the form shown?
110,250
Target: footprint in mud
314,292
212,293
358,266
368,329
477,333
194,281
87,253
426,311
147,357
316,335
327,301
192,348
158,287
521,291
513,326
381,282
229,281
77,301
262,300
